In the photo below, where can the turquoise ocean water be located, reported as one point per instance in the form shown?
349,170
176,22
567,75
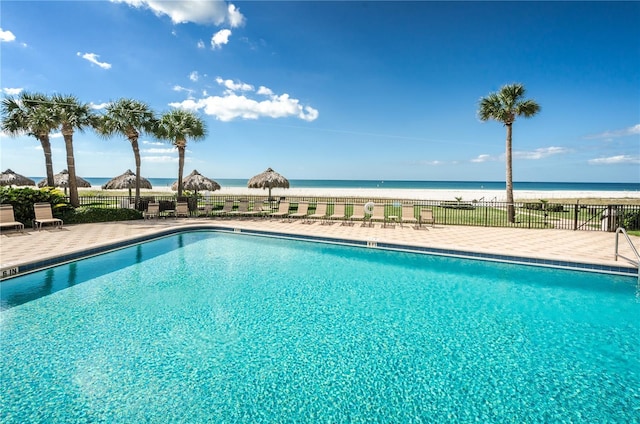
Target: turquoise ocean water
411,185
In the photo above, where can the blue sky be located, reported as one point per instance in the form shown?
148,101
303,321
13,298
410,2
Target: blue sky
338,90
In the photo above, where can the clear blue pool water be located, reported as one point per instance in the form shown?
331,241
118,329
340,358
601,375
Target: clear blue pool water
212,327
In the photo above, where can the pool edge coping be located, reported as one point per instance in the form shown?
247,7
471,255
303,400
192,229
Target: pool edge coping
17,270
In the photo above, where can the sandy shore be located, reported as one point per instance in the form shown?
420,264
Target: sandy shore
466,195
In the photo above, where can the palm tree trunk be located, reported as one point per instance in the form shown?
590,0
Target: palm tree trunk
48,162
511,210
67,133
136,154
180,168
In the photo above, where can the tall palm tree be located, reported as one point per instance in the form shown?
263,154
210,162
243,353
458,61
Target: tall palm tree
71,115
177,126
130,118
31,113
503,106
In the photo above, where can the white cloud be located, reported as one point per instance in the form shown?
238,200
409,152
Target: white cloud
265,91
161,159
154,143
215,12
158,150
235,18
12,91
230,105
220,38
615,160
6,36
98,106
608,135
193,76
236,86
200,44
482,158
93,58
540,153
179,88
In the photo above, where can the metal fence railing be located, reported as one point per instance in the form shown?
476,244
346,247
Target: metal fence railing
489,214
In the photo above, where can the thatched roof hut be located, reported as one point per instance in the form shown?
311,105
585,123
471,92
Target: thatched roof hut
10,178
126,180
196,181
268,179
61,179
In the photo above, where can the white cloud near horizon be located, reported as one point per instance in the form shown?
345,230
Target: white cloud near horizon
483,158
93,58
159,151
230,105
540,153
215,12
161,159
220,38
154,143
615,160
609,135
194,76
6,36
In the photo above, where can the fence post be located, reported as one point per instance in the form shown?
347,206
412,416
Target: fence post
575,217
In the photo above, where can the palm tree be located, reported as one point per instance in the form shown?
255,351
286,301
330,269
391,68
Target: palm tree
30,113
176,126
503,106
72,115
130,118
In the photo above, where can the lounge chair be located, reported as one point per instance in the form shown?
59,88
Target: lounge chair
378,215
358,213
338,212
302,212
320,212
283,210
8,220
182,209
243,208
226,208
426,217
206,210
153,210
408,215
44,215
258,210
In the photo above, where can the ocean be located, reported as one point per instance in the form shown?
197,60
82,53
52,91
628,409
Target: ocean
409,185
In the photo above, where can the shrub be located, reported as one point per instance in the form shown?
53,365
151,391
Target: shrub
542,206
631,220
22,200
86,214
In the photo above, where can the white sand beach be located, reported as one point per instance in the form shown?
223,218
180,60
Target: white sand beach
412,194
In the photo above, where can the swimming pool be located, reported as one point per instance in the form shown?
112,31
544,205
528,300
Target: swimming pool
212,327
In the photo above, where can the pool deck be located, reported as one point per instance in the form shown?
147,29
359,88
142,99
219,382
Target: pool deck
585,247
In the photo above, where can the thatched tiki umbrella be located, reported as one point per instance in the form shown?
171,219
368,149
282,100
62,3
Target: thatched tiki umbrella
126,180
268,179
61,179
195,181
10,178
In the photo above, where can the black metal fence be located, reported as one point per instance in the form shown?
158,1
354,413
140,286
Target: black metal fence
489,214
